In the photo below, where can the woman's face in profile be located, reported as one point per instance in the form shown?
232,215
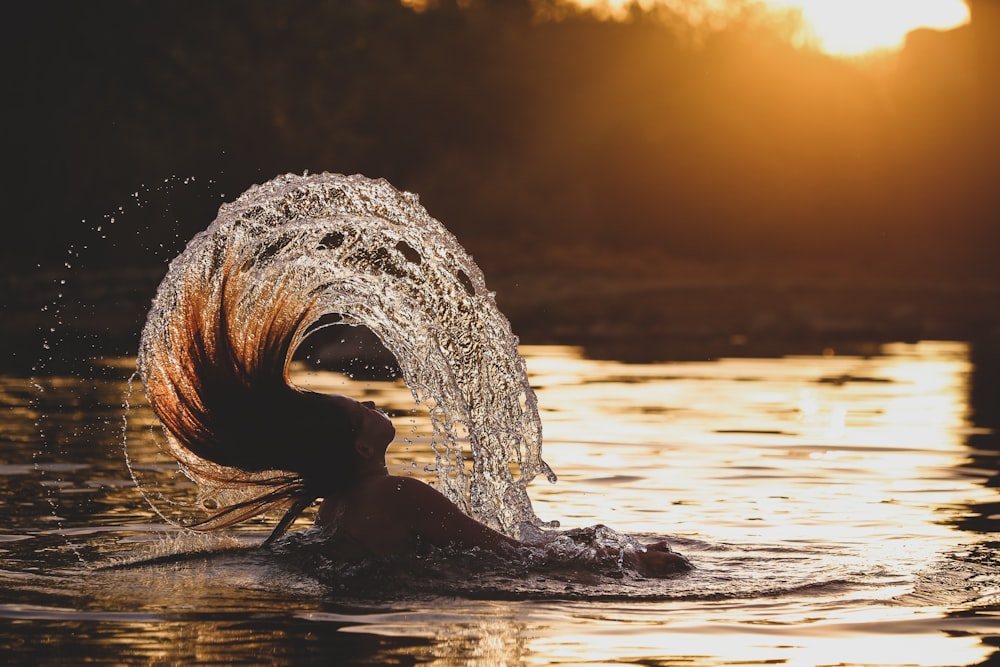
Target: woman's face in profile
377,427
372,426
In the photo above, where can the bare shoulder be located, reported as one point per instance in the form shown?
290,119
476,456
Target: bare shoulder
409,498
436,520
413,490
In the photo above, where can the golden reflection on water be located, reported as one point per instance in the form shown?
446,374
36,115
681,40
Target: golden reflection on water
762,467
491,633
732,449
860,454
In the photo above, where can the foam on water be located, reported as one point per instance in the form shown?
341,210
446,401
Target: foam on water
359,249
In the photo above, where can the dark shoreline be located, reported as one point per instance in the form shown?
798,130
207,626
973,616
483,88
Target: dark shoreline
616,315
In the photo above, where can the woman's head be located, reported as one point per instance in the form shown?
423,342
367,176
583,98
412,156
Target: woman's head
372,428
214,360
332,440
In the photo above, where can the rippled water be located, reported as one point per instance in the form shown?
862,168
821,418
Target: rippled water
839,510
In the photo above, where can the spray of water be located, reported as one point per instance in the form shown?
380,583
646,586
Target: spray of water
372,255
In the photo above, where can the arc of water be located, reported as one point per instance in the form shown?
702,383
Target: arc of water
375,256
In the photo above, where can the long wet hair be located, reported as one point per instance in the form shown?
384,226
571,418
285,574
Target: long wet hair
214,359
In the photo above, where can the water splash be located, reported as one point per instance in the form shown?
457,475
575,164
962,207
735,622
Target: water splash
360,249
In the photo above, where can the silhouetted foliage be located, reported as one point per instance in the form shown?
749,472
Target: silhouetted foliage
631,134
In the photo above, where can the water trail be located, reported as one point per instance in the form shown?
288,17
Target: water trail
360,249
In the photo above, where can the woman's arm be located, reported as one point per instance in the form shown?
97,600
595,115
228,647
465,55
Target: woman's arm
436,521
657,560
395,515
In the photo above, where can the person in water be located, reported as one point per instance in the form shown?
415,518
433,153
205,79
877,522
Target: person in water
216,375
382,514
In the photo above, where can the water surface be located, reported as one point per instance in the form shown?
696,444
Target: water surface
839,509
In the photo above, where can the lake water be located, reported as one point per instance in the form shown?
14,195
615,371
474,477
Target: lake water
839,509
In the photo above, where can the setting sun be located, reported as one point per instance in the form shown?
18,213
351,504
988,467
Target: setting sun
837,27
855,27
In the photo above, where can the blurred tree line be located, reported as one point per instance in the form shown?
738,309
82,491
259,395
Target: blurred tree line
518,132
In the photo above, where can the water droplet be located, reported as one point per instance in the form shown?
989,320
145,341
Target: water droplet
349,244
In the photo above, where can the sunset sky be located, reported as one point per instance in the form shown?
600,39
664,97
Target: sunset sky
854,27
838,27
791,134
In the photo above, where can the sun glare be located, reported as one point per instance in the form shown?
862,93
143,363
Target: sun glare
837,27
856,27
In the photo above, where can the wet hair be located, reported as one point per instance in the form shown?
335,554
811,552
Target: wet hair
215,369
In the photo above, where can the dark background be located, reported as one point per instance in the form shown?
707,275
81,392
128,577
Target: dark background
614,180
642,188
